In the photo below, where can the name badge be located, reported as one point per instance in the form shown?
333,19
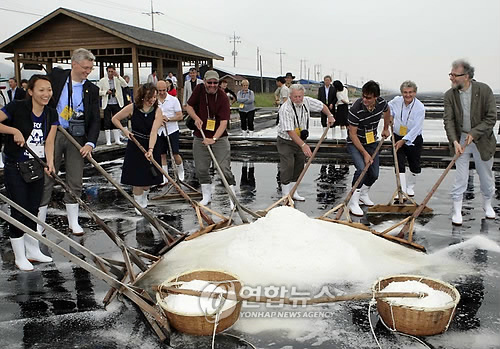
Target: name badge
297,131
403,130
242,105
370,137
210,125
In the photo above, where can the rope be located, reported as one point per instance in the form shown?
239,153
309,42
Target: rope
372,303
404,334
217,316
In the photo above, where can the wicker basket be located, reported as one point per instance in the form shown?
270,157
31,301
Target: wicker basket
418,321
204,325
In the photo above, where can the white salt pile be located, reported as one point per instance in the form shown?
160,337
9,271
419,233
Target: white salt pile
193,305
434,298
287,248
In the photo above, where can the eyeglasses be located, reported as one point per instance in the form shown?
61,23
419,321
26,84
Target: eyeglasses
89,69
455,75
212,82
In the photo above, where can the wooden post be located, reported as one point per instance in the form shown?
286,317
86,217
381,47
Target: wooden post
159,68
101,69
180,81
135,69
17,68
122,69
48,66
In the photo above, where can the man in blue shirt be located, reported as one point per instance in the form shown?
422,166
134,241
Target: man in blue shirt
76,99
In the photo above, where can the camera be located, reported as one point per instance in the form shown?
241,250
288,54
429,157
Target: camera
113,92
304,134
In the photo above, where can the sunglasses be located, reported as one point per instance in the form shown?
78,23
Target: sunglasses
455,75
212,82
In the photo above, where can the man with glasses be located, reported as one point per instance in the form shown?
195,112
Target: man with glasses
210,110
363,120
469,117
77,102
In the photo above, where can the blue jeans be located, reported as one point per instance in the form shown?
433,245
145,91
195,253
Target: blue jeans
26,195
372,174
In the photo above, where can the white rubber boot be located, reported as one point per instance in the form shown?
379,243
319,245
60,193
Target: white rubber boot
324,128
488,209
334,132
402,180
363,197
72,210
231,203
107,133
20,254
285,189
116,136
165,168
138,199
180,172
456,218
42,216
296,195
206,190
1,161
250,133
145,199
33,252
354,204
343,133
412,180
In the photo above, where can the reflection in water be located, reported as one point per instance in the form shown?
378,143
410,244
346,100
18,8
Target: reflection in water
247,182
329,183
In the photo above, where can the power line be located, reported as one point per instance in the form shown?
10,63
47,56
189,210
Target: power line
281,53
152,14
23,12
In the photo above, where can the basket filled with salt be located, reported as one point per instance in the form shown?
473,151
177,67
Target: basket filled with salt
425,316
199,315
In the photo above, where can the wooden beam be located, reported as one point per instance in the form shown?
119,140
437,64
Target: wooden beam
159,67
135,69
17,68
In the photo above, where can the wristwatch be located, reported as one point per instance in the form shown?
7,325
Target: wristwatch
215,139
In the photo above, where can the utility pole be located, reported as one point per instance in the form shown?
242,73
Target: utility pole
281,53
302,61
234,39
152,14
261,79
258,57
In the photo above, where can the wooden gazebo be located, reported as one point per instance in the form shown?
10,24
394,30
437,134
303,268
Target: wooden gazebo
52,39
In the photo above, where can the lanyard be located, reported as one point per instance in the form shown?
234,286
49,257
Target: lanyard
70,95
301,115
409,112
208,109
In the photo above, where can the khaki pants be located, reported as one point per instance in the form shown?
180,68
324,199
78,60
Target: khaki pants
73,162
292,160
202,159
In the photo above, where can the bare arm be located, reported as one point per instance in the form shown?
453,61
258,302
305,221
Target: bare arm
122,114
154,133
49,148
18,136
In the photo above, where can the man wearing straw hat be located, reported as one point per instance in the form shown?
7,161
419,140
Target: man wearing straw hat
363,120
469,117
210,110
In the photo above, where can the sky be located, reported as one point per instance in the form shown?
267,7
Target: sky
388,41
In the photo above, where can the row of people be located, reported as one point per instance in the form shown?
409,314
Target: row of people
468,122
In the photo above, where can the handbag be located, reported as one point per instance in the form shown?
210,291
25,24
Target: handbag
30,170
76,127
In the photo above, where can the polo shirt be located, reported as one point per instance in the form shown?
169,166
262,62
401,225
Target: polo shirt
365,120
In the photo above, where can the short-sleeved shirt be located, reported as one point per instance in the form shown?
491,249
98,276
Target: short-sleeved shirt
410,116
365,120
284,93
169,107
217,105
290,119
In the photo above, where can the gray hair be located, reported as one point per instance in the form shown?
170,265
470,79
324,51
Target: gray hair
82,54
297,87
408,84
468,69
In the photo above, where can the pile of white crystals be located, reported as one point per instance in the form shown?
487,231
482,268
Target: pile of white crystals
434,298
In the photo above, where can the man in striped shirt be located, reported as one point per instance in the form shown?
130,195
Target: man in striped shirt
363,120
293,128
